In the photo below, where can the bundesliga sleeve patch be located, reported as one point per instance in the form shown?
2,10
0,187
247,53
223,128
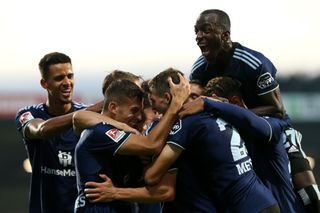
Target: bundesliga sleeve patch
25,117
115,134
265,80
176,127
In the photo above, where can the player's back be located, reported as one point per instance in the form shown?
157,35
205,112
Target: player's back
215,151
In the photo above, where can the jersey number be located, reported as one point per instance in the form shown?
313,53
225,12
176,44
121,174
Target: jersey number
238,149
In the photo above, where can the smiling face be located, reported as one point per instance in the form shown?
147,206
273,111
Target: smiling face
210,36
130,112
59,83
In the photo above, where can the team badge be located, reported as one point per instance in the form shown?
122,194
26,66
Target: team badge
265,80
176,127
25,117
115,134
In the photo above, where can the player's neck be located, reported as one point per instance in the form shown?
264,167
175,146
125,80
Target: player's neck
57,109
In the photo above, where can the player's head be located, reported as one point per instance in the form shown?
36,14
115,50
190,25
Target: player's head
124,102
225,87
197,89
118,74
212,30
57,77
160,90
149,112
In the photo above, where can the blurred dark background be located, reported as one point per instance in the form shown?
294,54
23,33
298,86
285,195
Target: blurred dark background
301,97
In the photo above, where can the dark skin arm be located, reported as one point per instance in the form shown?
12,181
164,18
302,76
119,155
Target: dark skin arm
271,105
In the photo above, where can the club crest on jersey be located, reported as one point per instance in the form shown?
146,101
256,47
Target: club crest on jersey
176,127
115,134
25,117
265,80
65,158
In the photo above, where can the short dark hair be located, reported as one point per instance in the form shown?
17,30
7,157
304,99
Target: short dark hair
146,90
121,90
198,82
118,74
160,83
51,59
222,17
223,86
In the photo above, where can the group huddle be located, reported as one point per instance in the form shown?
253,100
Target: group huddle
219,141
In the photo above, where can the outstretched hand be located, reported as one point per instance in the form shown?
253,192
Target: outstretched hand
100,192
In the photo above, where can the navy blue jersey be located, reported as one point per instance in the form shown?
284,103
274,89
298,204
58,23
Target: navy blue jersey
190,193
53,178
215,152
96,153
255,72
264,137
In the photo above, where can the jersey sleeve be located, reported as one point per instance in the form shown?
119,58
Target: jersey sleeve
241,118
198,68
265,79
179,135
23,117
105,137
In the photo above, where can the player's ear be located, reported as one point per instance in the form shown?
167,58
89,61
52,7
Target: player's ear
44,84
236,100
167,97
225,35
113,107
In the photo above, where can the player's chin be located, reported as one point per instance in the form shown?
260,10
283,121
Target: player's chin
206,54
66,100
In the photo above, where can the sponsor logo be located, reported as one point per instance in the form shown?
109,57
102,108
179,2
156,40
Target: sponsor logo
80,201
244,167
65,158
115,134
25,117
58,172
176,127
265,80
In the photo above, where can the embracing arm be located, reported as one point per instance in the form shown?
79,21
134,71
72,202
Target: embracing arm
153,143
240,118
272,105
106,192
161,165
39,128
85,119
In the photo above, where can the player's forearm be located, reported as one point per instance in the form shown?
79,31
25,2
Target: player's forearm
143,195
159,134
37,129
85,119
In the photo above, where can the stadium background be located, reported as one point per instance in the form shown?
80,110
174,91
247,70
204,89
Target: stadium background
301,97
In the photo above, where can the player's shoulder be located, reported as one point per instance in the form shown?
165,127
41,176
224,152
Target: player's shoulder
32,109
252,58
39,106
198,63
196,119
79,105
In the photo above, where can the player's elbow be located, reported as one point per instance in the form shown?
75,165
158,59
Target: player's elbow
151,180
76,121
153,148
169,194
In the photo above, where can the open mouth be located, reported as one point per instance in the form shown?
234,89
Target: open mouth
204,49
66,93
